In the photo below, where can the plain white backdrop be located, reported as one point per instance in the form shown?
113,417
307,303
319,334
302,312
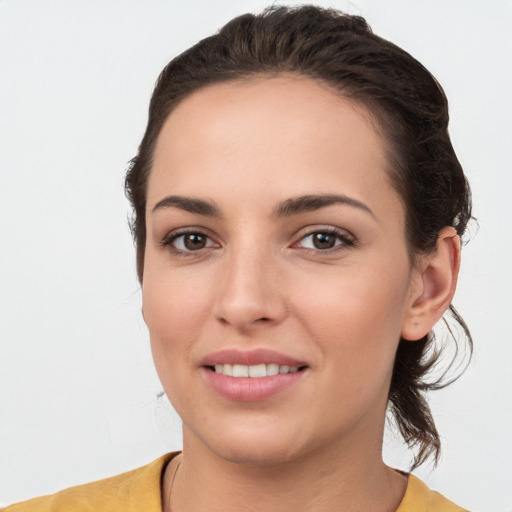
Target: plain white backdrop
78,392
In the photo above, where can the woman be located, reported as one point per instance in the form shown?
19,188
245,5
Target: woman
298,209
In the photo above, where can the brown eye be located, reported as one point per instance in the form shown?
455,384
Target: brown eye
189,242
323,240
194,241
326,240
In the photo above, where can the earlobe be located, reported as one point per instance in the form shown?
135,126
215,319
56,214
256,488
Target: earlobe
436,287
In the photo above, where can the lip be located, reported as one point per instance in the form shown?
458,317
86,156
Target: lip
250,357
248,389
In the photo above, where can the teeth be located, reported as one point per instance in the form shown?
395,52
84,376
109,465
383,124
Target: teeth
255,370
240,370
272,369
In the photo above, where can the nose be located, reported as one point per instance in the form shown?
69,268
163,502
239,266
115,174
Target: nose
250,294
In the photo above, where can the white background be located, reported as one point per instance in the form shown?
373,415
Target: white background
77,386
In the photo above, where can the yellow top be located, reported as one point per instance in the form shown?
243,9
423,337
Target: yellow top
139,491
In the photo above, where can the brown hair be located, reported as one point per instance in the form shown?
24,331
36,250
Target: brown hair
411,110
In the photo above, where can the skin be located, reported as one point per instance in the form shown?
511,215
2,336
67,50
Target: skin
259,282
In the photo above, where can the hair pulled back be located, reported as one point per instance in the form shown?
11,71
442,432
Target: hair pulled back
411,112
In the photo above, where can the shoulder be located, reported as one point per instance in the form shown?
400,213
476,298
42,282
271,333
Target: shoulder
132,491
419,498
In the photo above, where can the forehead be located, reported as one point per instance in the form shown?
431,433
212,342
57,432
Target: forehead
280,136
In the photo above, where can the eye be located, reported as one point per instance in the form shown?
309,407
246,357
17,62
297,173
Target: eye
324,240
191,241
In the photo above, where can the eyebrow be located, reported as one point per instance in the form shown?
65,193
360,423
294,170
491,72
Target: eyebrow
308,203
289,207
189,204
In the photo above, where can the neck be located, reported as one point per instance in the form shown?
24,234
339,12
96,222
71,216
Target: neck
314,482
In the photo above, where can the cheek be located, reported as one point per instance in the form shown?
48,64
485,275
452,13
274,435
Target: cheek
175,306
355,300
357,329
167,325
173,301
356,318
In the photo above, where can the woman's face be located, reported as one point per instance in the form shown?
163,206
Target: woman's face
275,244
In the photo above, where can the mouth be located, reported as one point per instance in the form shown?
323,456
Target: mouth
251,376
254,371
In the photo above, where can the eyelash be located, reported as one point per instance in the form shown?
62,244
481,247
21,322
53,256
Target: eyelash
346,241
171,238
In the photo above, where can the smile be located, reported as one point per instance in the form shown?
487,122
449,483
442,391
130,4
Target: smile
251,375
253,371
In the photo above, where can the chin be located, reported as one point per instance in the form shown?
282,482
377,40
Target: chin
255,453
250,445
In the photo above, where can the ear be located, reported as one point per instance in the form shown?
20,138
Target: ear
433,286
